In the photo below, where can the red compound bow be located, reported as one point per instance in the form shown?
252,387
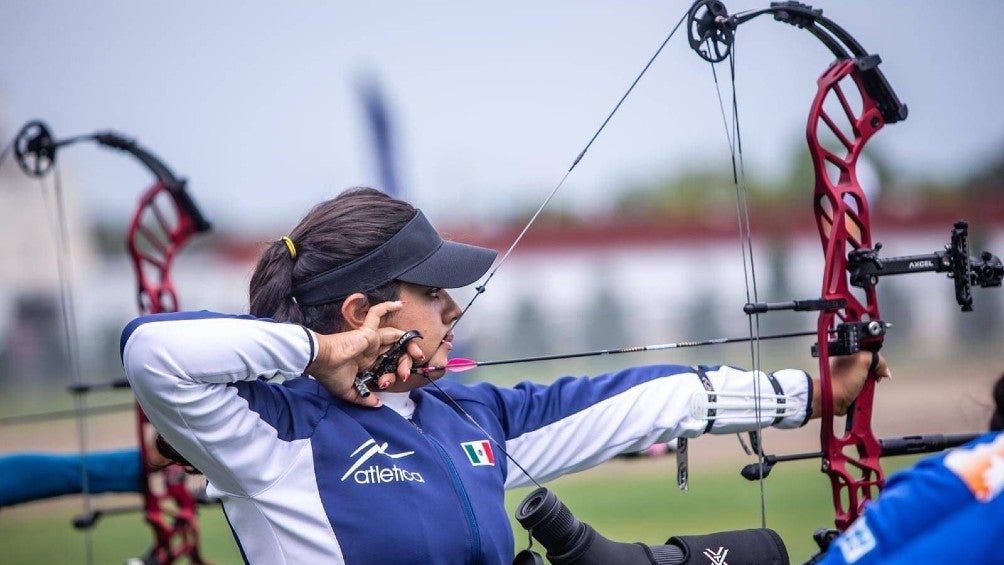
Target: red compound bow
848,307
166,217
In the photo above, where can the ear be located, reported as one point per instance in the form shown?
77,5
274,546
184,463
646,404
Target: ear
354,310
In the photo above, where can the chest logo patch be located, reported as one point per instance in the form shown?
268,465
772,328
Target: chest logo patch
479,452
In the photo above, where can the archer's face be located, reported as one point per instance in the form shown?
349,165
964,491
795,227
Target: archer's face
430,311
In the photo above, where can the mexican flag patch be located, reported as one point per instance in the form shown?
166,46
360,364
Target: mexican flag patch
479,452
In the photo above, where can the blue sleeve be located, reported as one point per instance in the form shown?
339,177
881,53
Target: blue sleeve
530,406
936,511
576,423
973,534
25,477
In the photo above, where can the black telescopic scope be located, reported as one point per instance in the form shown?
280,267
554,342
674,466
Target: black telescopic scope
569,541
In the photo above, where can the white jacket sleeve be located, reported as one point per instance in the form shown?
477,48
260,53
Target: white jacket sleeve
181,366
630,410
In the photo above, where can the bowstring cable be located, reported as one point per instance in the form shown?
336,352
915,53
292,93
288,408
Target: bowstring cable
70,331
6,150
734,140
480,289
754,318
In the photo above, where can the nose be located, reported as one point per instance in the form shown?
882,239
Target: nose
451,311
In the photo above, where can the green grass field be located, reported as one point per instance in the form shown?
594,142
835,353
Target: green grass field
632,500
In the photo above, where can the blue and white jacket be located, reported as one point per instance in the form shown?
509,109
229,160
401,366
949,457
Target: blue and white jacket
946,509
307,478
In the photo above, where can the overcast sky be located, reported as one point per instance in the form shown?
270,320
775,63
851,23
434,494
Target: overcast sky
257,102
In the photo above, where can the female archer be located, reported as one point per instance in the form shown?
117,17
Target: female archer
316,469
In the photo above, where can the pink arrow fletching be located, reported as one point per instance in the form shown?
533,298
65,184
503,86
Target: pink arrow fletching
459,365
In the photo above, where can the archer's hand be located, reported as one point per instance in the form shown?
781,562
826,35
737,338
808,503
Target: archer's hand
849,373
342,356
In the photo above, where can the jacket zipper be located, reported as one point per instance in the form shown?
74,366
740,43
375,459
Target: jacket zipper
458,487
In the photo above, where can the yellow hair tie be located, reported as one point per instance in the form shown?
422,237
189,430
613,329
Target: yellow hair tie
289,246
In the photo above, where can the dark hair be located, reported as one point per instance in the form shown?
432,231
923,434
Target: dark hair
997,419
333,233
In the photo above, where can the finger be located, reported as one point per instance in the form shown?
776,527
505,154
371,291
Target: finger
882,370
371,401
389,335
404,365
378,311
415,351
386,380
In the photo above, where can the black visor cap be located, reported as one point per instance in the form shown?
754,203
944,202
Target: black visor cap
416,254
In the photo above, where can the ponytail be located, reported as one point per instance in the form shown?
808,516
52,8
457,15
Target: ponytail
333,233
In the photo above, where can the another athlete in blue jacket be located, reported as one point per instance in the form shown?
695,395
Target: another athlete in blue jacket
311,471
945,509
26,477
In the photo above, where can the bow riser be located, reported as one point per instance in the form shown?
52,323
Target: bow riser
164,220
175,532
842,218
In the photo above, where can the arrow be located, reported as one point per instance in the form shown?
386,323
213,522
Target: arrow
460,364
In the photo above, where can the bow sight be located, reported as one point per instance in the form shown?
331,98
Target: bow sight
865,267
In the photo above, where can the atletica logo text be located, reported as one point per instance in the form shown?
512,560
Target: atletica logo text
376,474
